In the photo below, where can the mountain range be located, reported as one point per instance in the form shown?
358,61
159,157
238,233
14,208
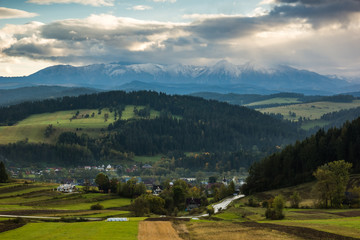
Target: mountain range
223,77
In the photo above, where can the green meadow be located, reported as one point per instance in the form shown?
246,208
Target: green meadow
312,110
82,230
274,101
89,121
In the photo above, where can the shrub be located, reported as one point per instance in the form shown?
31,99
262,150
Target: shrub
295,200
275,210
252,202
97,206
210,211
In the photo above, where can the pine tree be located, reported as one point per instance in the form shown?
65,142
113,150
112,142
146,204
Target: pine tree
3,174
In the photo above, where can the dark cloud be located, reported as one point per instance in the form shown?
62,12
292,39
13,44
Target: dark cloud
317,12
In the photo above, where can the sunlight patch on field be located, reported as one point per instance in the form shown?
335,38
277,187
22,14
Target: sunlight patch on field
274,101
312,110
83,230
343,226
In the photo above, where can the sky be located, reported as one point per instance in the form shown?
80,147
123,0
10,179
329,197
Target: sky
317,35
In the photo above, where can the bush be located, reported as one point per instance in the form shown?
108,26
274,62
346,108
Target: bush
252,202
295,200
275,209
210,211
97,206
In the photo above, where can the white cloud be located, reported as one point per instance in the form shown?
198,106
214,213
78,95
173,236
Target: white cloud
140,8
7,13
95,3
262,37
171,1
196,16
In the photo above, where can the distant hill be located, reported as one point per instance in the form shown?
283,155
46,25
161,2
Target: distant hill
296,163
179,123
18,95
222,77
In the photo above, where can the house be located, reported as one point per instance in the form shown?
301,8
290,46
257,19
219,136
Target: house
146,166
192,203
87,168
157,190
66,188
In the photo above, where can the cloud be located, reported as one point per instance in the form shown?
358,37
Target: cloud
285,34
95,3
170,1
7,13
318,13
140,8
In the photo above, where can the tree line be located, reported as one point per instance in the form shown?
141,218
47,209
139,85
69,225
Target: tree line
185,123
297,162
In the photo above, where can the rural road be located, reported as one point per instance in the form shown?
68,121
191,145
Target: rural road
223,205
218,206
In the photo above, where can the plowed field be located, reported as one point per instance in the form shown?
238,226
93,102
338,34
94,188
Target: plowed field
149,230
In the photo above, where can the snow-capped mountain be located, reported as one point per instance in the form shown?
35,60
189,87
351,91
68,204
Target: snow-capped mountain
223,75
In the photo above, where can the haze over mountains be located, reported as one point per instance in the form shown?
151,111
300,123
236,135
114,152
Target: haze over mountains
223,77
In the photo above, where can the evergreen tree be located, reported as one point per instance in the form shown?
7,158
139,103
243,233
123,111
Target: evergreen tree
4,177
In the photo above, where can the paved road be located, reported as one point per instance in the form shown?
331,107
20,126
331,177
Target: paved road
225,203
218,206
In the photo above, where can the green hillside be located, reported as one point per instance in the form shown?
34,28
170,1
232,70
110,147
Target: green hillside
296,163
115,126
89,121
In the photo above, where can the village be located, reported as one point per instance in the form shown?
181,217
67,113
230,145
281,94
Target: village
70,178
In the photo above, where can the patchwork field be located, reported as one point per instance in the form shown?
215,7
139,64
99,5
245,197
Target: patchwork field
40,199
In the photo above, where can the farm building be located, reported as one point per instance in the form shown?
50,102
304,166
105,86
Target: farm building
66,188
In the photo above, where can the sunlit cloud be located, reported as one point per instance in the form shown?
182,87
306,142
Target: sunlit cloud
95,3
8,13
284,34
140,8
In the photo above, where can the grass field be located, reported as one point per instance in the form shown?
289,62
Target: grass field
83,230
310,110
148,159
344,226
233,231
274,101
87,121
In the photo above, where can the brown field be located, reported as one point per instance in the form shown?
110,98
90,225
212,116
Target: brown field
233,231
156,230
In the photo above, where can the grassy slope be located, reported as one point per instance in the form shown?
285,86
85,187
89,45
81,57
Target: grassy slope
310,110
18,197
33,127
274,101
328,220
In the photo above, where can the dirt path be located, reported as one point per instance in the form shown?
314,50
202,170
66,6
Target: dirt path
149,230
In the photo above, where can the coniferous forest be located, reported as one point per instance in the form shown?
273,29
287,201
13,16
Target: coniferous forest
297,162
185,124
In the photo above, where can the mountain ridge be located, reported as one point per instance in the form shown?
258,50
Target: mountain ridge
225,74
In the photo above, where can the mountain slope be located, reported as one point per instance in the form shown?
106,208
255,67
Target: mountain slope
183,123
18,95
231,78
296,163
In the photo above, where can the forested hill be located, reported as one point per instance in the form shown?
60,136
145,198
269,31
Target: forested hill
184,123
296,163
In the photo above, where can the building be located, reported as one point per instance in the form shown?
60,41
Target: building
66,188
